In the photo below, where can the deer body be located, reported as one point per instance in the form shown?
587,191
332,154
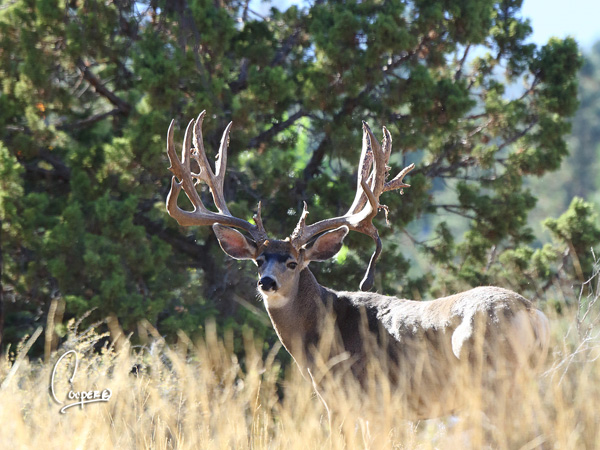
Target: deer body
420,347
446,324
428,341
425,344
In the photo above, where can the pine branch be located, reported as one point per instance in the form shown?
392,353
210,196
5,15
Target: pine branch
123,107
88,120
275,129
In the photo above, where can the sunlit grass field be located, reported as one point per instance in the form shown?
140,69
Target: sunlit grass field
199,395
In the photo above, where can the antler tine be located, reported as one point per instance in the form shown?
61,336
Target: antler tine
206,174
300,230
397,182
222,156
258,220
364,168
376,156
372,173
220,166
199,154
387,146
181,169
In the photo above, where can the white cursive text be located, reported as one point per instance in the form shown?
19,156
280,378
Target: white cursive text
83,397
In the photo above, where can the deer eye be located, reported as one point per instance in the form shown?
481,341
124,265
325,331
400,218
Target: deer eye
292,265
259,262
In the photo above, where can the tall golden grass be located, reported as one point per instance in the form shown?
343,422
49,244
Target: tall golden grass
201,396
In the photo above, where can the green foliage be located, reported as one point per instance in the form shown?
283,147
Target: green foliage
579,175
578,228
88,89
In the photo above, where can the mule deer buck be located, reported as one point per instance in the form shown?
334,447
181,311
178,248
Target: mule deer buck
487,328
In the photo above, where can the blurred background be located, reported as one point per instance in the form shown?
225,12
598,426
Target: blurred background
496,102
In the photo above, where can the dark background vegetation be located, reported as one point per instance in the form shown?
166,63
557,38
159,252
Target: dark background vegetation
88,89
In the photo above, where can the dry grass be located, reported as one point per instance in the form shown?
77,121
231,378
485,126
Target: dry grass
200,396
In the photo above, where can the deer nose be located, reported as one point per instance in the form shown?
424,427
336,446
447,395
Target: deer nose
267,284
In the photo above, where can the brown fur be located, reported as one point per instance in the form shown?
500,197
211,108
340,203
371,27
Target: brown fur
428,341
423,348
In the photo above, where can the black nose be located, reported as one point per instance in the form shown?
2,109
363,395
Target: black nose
267,284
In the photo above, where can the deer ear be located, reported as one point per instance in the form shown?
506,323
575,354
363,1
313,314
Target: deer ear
234,243
325,246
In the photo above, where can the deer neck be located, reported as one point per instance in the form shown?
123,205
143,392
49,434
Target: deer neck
296,320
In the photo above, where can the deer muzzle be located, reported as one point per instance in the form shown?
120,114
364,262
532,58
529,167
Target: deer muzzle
267,284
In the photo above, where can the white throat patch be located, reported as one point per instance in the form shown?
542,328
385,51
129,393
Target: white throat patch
274,299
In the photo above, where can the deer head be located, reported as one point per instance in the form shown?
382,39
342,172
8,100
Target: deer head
280,261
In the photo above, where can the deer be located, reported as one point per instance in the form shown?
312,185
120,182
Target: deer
488,329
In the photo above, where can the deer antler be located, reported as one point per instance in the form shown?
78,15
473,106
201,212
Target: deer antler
372,173
182,171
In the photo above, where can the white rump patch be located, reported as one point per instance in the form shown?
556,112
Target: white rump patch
461,334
